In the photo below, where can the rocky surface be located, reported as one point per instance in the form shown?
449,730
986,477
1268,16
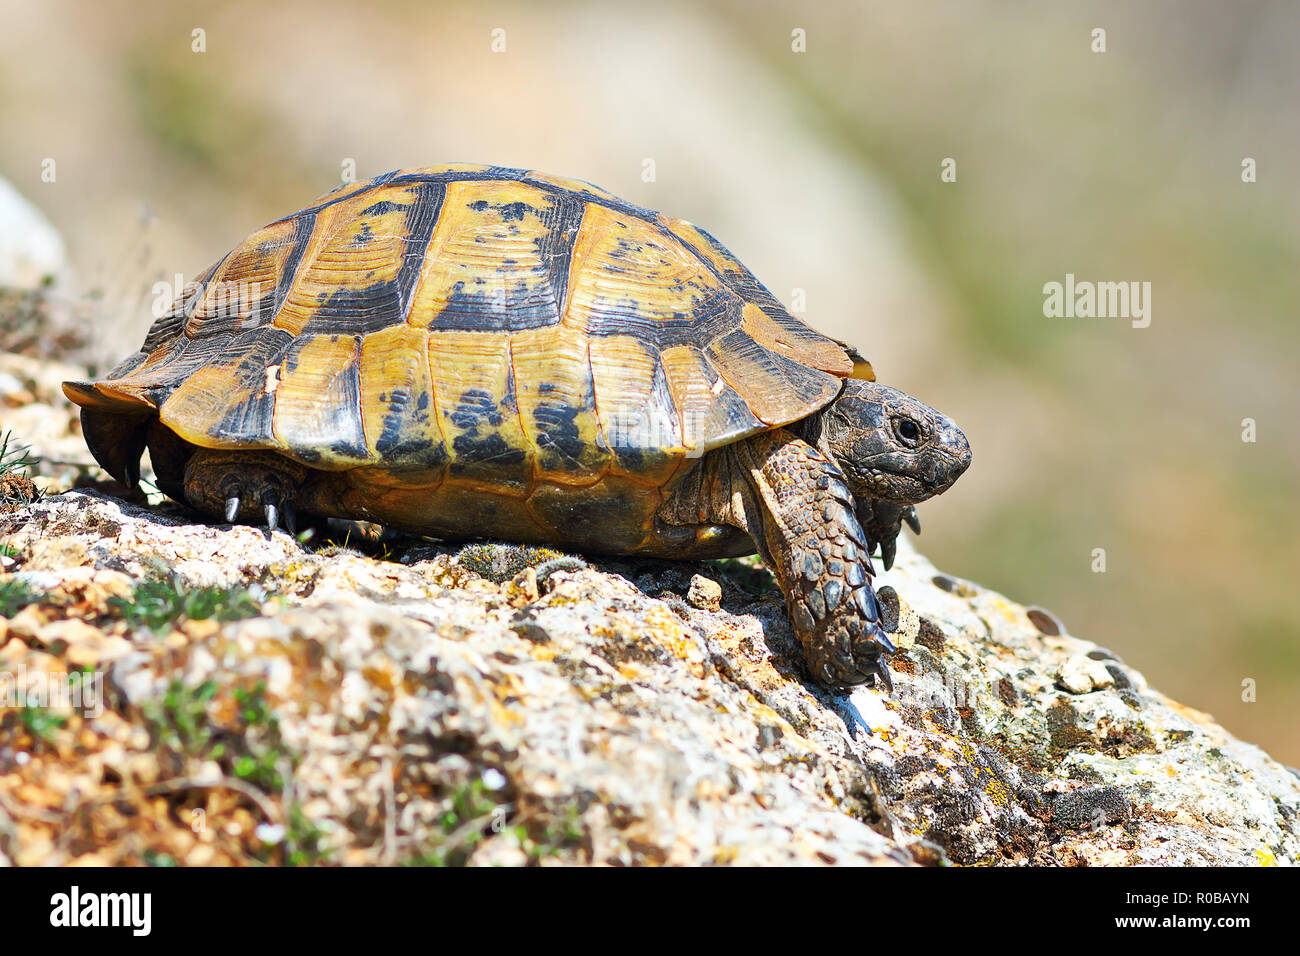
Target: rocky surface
396,701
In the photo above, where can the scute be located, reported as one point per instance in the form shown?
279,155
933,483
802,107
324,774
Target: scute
801,343
498,259
226,402
317,394
474,327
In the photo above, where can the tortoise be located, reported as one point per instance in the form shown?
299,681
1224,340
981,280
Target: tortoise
473,352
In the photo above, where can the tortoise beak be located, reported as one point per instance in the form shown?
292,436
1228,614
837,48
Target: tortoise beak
952,459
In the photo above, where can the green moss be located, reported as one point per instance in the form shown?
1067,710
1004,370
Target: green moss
464,824
1091,808
14,596
501,562
566,563
41,722
1066,733
160,603
251,750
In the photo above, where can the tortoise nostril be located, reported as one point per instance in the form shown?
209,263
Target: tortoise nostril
964,458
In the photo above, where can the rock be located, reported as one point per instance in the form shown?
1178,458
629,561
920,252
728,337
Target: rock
704,593
412,708
46,425
1082,675
31,250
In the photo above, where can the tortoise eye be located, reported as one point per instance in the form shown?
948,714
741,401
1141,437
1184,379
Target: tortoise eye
908,431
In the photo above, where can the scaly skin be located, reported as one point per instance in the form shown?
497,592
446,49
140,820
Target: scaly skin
808,533
882,521
795,505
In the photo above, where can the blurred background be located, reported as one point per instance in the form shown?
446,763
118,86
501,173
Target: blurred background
809,138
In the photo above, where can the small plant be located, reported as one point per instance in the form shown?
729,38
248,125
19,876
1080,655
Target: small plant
466,821
298,842
14,596
13,456
41,722
249,747
262,748
565,563
302,840
476,811
159,603
179,722
16,486
241,732
555,835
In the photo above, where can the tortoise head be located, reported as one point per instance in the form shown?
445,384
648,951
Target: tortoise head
894,452
890,446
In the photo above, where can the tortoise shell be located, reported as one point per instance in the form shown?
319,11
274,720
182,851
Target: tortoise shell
518,336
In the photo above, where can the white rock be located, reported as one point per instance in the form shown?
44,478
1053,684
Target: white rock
1083,675
30,248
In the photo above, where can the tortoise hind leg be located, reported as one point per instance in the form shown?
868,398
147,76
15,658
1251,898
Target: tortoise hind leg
795,505
244,486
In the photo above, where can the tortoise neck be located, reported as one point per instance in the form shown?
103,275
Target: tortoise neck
810,430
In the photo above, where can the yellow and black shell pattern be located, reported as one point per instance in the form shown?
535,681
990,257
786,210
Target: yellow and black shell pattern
513,348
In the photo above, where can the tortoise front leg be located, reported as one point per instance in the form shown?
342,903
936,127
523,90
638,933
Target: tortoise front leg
795,505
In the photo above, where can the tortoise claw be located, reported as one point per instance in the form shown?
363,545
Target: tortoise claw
888,549
912,520
272,511
883,640
865,599
853,650
232,509
880,671
870,658
861,660
290,518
